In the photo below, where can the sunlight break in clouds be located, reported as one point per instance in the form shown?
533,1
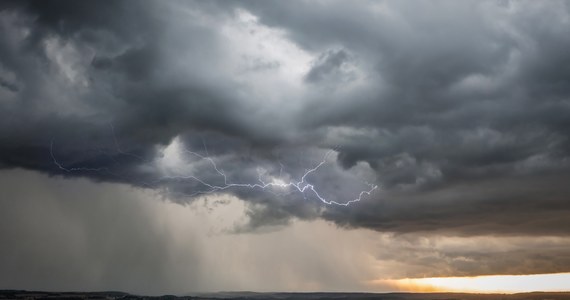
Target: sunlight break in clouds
484,284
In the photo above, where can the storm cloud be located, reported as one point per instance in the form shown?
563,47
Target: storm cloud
459,111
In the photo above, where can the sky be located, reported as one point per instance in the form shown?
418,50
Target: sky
193,146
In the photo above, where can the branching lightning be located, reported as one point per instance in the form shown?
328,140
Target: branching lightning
61,167
301,186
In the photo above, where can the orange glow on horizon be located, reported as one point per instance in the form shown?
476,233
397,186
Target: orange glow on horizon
558,282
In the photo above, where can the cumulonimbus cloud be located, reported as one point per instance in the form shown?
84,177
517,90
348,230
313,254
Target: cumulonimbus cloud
464,124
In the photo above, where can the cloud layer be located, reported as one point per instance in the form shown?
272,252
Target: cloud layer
459,111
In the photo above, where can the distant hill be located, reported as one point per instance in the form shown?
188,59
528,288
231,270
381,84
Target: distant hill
35,295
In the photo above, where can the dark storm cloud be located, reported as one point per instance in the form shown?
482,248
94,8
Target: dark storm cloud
328,64
463,94
461,109
8,85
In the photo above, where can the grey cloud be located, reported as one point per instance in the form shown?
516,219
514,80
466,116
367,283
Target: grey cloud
8,85
418,256
328,64
460,109
497,206
450,102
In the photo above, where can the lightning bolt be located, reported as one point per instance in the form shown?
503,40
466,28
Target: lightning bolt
61,167
301,186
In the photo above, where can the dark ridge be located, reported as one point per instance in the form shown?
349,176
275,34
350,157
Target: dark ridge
111,295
